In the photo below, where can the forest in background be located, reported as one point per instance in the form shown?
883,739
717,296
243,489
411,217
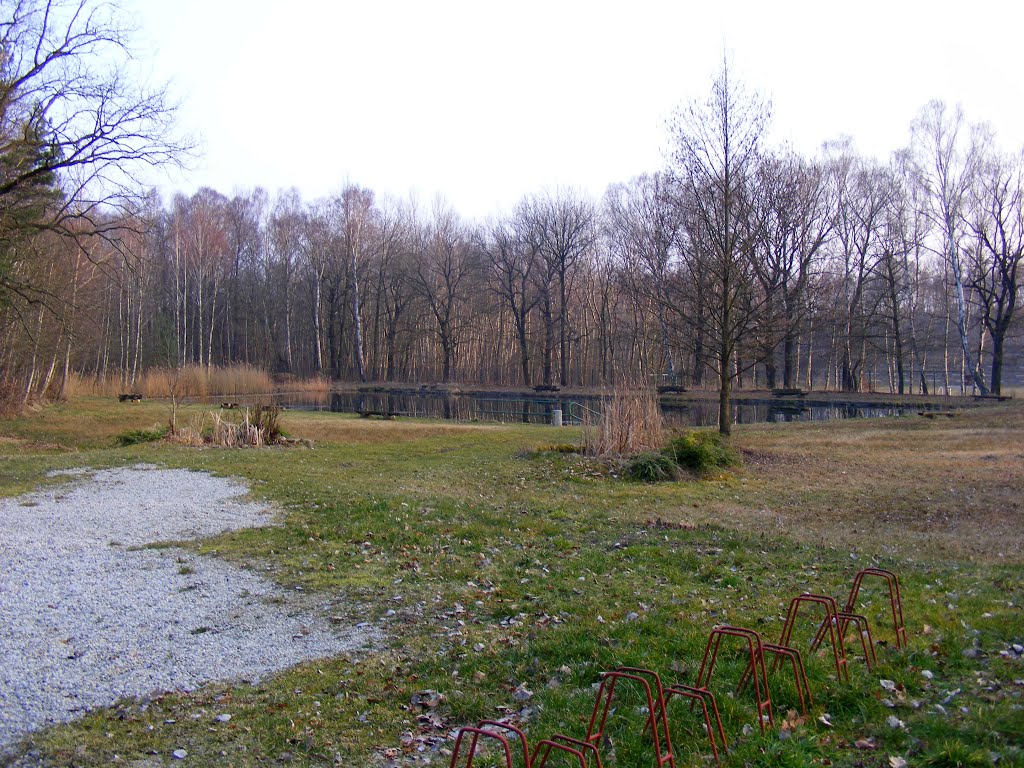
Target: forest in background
738,264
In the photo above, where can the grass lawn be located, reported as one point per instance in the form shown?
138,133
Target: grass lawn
507,577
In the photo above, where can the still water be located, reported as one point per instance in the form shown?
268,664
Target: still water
538,409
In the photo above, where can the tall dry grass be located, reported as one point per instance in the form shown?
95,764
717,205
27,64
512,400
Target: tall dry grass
254,427
190,382
314,384
631,422
10,396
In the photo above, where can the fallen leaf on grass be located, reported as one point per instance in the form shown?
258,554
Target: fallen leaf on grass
428,699
897,762
792,721
868,743
430,720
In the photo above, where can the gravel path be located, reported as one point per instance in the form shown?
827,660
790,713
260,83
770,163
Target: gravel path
85,620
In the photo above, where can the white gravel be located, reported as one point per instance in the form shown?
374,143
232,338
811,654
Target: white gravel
86,620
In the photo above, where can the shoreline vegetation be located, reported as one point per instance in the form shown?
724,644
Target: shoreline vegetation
195,381
506,576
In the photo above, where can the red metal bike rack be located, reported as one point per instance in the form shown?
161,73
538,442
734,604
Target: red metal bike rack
481,731
656,719
755,647
863,631
829,624
574,747
780,652
686,691
704,696
867,644
895,601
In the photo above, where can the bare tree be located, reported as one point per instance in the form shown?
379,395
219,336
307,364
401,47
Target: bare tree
318,242
510,261
716,144
946,156
355,213
796,220
285,247
564,228
997,222
863,192
644,229
75,130
439,276
396,292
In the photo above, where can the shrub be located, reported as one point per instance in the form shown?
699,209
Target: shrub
702,451
651,467
137,436
267,420
559,448
257,427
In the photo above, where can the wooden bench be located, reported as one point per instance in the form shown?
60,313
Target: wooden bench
784,392
386,415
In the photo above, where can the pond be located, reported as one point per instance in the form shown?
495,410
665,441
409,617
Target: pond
539,409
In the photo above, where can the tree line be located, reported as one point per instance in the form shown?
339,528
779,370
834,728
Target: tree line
738,264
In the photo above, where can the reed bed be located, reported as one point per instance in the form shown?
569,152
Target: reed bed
254,427
193,381
631,422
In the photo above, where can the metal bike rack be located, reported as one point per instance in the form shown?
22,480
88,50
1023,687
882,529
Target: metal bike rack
481,730
656,719
830,623
705,697
559,743
895,600
755,648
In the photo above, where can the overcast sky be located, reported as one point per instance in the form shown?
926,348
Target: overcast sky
485,101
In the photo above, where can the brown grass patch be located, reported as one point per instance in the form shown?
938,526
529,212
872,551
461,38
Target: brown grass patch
950,487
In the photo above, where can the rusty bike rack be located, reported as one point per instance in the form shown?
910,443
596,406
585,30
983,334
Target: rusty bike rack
688,692
829,623
481,730
704,696
755,647
863,631
780,652
783,650
574,747
656,718
895,600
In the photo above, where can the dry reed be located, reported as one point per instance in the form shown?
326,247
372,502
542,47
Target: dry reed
631,422
190,381
10,400
314,384
257,427
234,434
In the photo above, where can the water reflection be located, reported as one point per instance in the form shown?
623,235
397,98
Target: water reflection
540,409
